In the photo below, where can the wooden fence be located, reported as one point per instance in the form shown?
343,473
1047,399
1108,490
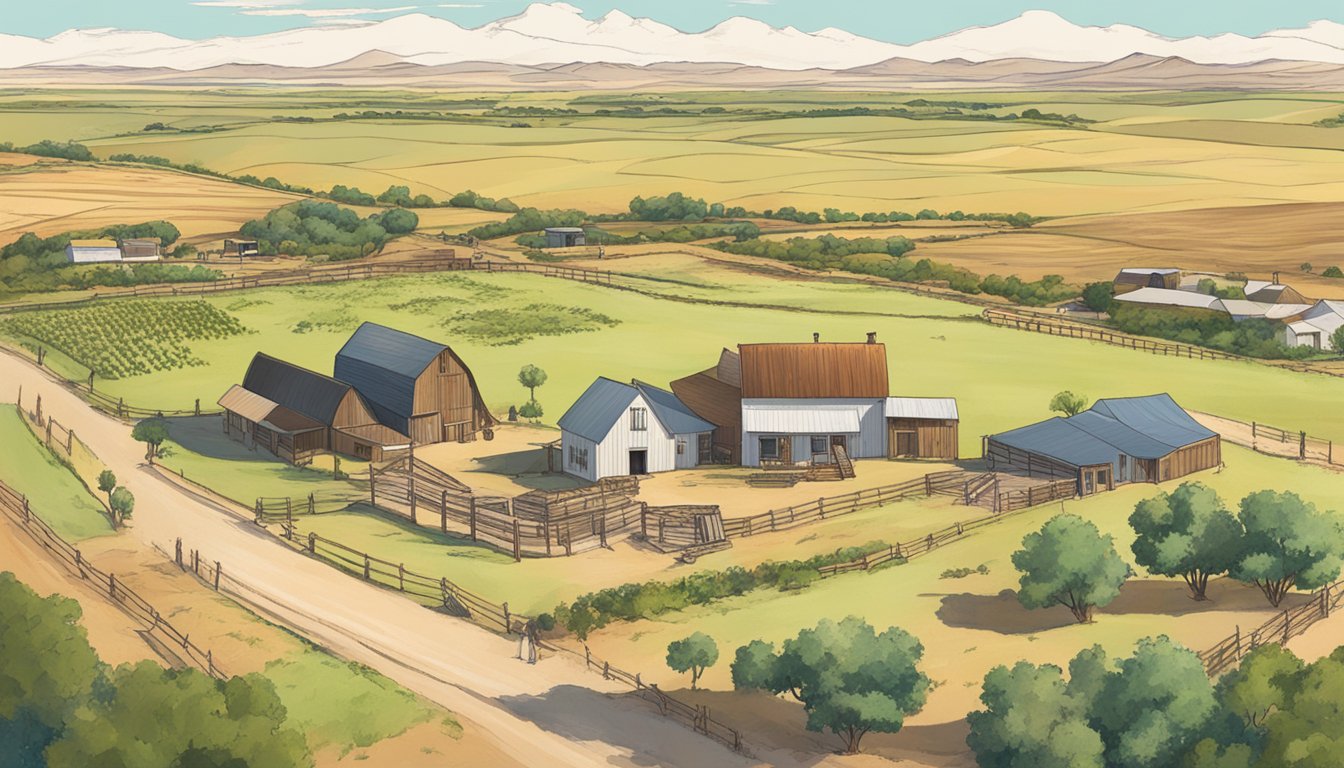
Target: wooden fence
946,483
1271,440
15,506
1228,652
1053,326
1036,495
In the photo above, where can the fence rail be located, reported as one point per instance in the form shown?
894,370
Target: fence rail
15,506
1025,321
1229,651
1271,440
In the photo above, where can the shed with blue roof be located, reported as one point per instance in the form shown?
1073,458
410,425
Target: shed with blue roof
617,429
418,387
1116,441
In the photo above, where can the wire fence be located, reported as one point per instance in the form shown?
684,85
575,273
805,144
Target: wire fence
15,506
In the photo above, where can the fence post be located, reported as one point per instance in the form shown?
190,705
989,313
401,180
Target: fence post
443,590
821,507
177,553
508,622
373,498
401,576
218,569
70,441
312,543
312,505
1287,624
472,500
602,531
112,585
198,403
27,512
79,560
517,542
366,567
443,511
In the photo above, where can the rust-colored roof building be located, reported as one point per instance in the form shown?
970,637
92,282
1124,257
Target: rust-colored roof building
817,370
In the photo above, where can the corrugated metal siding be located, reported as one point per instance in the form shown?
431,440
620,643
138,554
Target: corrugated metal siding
800,419
869,442
814,370
921,408
298,389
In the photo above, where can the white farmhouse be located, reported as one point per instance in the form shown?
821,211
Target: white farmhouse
616,429
92,251
1316,326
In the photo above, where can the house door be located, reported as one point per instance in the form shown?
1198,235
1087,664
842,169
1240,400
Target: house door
1096,479
705,449
907,444
639,462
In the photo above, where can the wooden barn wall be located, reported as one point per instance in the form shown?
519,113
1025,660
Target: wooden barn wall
718,403
1006,457
445,388
343,443
1203,455
937,438
352,412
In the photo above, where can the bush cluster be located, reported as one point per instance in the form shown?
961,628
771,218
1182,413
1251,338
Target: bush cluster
504,327
310,228
1253,337
630,602
33,263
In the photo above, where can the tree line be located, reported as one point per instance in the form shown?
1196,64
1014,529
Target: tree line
313,228
33,263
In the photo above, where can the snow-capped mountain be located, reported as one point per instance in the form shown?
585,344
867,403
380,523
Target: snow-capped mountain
558,33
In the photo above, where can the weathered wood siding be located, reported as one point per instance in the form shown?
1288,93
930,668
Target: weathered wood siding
719,403
352,412
1206,454
444,390
1005,457
935,438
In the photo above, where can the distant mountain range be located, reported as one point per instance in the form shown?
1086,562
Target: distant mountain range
554,46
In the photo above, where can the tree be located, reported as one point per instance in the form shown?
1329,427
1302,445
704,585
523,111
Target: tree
1068,562
1289,543
1152,707
754,667
1305,266
1337,339
1031,718
693,654
399,221
850,679
1068,403
531,410
1309,731
1332,271
122,503
531,377
151,432
1098,296
107,481
1187,533
1260,686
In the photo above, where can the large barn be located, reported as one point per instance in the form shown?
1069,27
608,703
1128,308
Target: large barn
1134,278
616,429
715,395
417,387
1116,441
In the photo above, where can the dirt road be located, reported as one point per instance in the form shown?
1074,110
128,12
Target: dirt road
554,713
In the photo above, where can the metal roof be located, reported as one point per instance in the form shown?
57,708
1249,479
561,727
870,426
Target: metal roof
814,370
566,230
674,415
249,405
920,408
93,243
1170,297
1142,271
800,419
298,389
382,364
598,408
1142,427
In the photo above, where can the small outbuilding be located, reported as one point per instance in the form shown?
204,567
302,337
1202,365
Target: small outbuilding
92,251
922,427
141,249
241,248
414,386
1116,441
1315,327
565,237
617,429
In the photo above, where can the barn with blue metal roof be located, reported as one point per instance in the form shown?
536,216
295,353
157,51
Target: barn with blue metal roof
1118,440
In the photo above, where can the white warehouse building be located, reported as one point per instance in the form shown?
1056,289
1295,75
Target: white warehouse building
617,429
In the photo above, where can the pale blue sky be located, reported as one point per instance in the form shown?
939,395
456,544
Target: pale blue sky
899,21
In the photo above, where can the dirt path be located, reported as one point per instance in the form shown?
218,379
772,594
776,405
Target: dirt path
552,714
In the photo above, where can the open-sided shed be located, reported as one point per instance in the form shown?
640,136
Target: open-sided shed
1121,440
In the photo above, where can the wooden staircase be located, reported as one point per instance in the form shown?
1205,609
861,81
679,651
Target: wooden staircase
840,459
776,479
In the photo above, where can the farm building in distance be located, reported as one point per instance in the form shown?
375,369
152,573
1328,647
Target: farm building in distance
390,389
1134,278
1273,292
1315,326
241,248
141,249
1116,441
418,387
616,429
565,237
107,251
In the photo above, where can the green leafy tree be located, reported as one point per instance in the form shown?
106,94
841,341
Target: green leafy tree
1261,685
1305,266
754,667
1098,296
107,482
399,221
693,654
1069,563
531,377
1337,339
1332,271
850,679
1309,731
1068,403
1289,543
151,432
1032,719
1187,533
123,505
1153,706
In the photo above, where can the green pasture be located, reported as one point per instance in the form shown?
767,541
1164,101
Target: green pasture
53,491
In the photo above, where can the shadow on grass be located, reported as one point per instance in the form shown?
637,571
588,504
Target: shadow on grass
527,469
1003,613
203,437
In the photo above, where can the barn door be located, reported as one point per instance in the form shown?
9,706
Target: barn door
426,429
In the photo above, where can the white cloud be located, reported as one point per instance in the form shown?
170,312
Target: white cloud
325,13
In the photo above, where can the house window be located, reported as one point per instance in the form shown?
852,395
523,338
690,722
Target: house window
581,458
639,419
681,447
443,364
364,450
820,445
769,447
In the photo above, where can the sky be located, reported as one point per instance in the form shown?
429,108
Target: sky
896,21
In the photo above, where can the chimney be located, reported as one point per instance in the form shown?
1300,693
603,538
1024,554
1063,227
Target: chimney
1276,278
872,337
816,337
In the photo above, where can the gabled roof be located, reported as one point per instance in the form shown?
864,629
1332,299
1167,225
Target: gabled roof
816,370
298,389
674,415
1142,427
1170,297
1145,271
383,364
